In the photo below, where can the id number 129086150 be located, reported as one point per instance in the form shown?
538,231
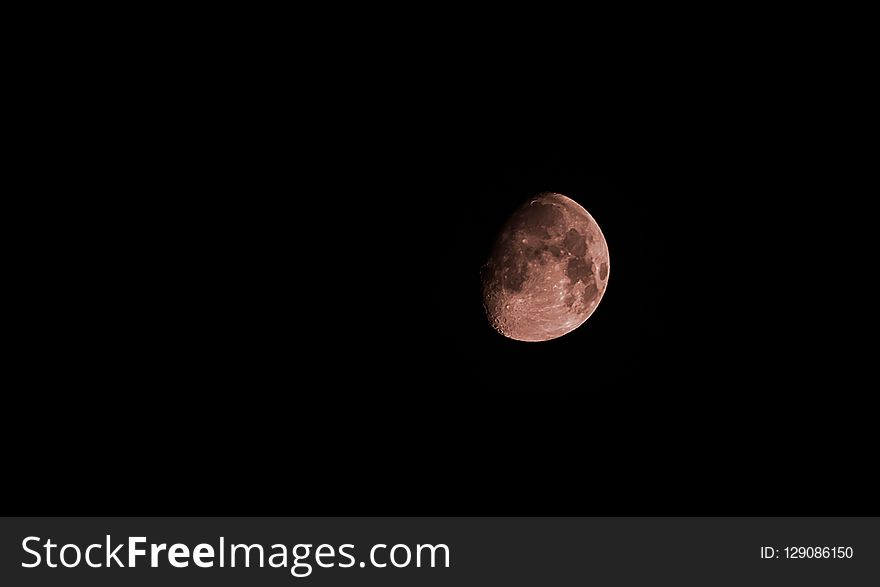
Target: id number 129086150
807,552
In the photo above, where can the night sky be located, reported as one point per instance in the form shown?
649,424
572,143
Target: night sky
262,309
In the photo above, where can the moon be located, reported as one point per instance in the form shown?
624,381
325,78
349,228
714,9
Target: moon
547,271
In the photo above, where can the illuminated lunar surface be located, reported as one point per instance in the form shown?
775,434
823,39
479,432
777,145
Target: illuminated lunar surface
547,271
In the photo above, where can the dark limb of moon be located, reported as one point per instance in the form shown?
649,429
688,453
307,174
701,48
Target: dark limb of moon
547,271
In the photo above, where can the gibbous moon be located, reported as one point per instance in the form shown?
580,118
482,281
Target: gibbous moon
547,271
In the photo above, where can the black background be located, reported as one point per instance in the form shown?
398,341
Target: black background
253,290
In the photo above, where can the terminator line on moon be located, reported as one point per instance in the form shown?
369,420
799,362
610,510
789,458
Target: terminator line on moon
547,271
